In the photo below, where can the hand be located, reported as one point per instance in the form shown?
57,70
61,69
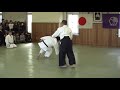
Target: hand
40,40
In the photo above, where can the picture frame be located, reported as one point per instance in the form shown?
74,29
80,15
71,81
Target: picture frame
97,17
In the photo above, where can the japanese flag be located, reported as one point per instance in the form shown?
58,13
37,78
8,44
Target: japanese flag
85,21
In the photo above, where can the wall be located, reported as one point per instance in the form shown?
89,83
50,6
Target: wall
0,17
51,17
45,23
15,16
97,36
42,29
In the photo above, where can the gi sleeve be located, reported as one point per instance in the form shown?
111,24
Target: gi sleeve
43,38
57,33
71,34
7,40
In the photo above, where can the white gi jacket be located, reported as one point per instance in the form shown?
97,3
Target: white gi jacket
50,42
63,31
10,41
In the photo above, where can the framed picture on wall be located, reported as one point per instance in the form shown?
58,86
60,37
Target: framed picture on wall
97,17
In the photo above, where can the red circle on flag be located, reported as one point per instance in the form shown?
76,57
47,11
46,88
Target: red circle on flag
82,21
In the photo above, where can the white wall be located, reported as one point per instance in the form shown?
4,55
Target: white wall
15,16
65,15
53,17
0,17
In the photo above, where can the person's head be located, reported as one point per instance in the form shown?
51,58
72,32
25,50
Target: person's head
10,33
10,20
64,22
22,23
6,21
17,34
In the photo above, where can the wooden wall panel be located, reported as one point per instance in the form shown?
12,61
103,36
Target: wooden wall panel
33,32
97,36
118,42
100,37
114,38
106,37
42,29
94,35
80,37
89,37
84,37
74,39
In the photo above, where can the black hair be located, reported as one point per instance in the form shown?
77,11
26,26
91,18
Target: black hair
64,22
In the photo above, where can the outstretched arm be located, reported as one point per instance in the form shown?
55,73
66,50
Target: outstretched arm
57,32
7,40
71,34
43,38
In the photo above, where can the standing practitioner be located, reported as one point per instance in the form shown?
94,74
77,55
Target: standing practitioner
65,34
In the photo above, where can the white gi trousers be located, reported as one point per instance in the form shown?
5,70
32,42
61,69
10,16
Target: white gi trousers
10,45
44,48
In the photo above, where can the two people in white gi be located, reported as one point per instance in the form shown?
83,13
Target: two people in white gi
10,41
46,44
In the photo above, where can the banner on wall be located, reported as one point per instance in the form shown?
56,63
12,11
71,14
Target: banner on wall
111,21
85,21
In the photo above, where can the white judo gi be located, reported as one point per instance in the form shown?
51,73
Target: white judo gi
47,44
9,41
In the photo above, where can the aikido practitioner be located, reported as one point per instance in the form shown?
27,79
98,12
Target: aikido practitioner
10,41
46,44
65,34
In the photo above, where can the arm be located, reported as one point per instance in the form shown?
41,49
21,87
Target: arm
7,40
57,32
42,38
71,35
